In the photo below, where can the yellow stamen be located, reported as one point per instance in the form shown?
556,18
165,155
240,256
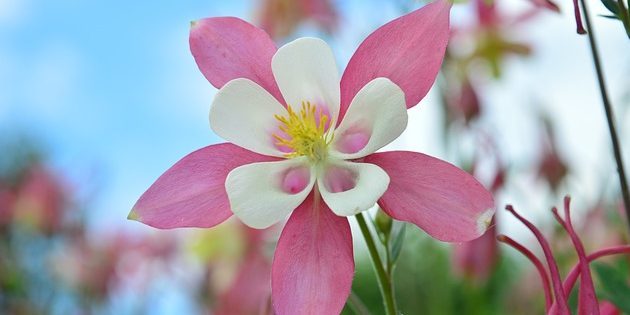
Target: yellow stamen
304,134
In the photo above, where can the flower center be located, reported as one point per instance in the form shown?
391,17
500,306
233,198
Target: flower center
305,132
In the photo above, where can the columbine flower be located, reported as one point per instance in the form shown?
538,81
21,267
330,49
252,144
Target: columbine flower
556,303
304,143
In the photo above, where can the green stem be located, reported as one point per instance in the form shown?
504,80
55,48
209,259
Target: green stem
357,305
384,279
610,116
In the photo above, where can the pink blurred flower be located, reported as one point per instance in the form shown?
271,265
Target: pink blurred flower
476,259
607,308
7,201
556,303
250,291
280,17
491,34
97,268
461,100
40,201
546,4
600,229
551,167
316,163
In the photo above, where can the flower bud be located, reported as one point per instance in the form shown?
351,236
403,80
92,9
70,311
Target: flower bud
383,223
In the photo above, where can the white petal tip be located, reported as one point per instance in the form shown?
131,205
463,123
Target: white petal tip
484,220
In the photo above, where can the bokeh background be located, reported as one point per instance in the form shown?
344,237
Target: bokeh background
98,98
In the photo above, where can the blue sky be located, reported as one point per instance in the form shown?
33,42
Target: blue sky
110,86
112,91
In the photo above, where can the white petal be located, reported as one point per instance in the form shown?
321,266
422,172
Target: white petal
305,70
349,188
262,194
376,117
243,113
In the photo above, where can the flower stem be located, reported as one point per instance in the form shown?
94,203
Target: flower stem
384,278
357,305
610,117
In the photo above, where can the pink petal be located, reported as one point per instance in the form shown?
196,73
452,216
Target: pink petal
227,48
192,192
438,197
313,265
408,50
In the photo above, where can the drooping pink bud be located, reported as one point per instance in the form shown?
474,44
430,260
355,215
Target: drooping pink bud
476,259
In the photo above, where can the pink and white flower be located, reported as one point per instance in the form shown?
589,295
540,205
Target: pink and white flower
302,145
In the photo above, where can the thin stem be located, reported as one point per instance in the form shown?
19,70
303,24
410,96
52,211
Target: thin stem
389,266
357,305
388,259
384,279
609,114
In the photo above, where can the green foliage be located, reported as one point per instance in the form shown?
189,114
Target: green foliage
620,11
425,282
612,6
397,240
614,285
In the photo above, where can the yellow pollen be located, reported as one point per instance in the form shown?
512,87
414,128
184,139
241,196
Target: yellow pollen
304,134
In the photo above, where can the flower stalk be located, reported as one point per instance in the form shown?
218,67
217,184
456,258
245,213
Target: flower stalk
355,303
610,117
384,276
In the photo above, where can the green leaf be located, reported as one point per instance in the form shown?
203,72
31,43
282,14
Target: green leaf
613,17
612,6
614,284
398,236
